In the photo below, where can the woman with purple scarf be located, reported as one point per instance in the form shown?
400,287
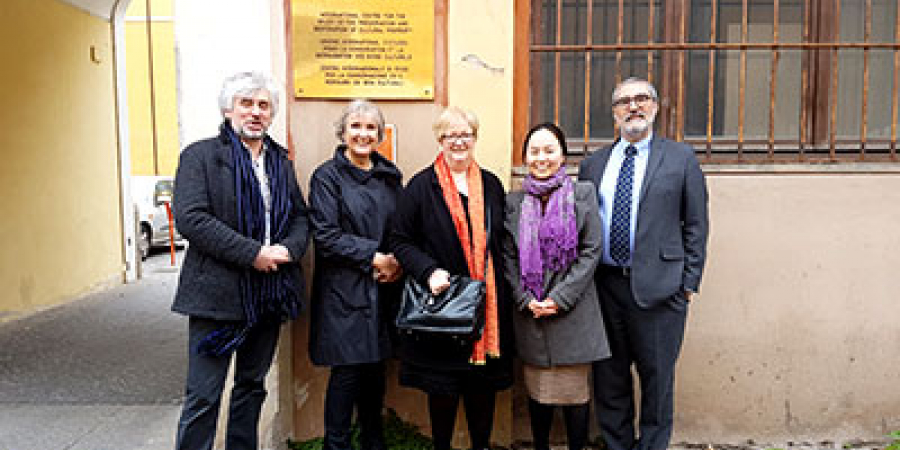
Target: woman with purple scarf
551,252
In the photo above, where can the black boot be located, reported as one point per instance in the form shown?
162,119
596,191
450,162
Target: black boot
577,423
541,421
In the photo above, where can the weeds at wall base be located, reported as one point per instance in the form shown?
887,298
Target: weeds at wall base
398,435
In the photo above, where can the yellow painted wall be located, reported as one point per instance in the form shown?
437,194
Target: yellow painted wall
137,63
59,193
158,8
140,131
487,35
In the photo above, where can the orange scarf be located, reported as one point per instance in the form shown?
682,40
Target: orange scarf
475,250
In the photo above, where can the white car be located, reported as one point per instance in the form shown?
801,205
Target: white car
150,194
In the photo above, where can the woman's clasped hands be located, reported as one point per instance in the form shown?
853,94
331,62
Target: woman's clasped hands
385,268
539,309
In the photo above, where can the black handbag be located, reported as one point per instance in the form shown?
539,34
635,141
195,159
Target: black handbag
458,311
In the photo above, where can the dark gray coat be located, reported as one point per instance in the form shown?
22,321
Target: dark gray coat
350,210
576,334
206,213
673,223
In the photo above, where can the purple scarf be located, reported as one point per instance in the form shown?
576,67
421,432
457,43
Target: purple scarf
548,240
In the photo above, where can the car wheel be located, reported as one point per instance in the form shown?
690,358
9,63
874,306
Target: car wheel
144,243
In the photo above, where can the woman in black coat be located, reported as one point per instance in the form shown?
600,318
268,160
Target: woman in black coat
449,221
351,198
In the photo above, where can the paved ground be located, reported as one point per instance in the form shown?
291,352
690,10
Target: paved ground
104,372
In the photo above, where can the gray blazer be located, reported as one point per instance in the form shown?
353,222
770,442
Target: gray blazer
672,223
576,334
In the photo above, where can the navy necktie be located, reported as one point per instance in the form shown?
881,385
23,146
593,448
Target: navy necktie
620,225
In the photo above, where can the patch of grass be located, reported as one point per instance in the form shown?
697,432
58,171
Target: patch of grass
312,444
895,441
398,435
404,435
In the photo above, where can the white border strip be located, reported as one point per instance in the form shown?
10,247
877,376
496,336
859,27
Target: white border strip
129,240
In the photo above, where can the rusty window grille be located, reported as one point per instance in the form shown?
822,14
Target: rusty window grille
743,81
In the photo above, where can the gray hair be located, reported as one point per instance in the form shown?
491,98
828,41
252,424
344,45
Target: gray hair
246,84
632,80
361,107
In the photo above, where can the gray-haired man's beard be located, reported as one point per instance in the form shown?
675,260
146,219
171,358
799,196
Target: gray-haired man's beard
252,135
637,128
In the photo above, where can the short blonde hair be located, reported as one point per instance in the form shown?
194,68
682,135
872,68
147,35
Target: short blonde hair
454,116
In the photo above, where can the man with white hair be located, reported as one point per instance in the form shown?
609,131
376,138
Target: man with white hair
238,203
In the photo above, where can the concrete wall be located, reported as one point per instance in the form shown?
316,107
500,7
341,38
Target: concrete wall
795,331
214,42
486,89
60,232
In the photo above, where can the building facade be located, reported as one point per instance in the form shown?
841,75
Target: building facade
792,106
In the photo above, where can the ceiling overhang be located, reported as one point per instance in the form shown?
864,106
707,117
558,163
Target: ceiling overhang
99,8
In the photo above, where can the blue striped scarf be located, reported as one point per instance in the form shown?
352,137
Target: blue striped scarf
266,297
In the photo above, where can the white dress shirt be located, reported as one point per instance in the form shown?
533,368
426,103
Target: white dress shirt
607,190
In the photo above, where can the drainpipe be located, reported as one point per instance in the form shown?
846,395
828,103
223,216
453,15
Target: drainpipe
128,221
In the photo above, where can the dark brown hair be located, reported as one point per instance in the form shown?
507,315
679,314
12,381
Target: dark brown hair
550,126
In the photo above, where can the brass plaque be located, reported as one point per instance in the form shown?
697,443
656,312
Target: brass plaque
379,49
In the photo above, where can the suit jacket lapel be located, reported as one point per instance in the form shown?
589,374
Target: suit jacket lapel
656,156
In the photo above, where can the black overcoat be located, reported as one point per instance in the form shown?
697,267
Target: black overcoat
205,209
424,239
349,211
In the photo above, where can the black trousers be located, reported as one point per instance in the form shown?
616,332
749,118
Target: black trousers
576,418
479,407
206,380
360,386
650,340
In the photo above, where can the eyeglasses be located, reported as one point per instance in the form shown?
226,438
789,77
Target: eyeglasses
462,137
641,100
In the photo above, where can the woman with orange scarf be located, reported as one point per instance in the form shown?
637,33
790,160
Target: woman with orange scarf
449,221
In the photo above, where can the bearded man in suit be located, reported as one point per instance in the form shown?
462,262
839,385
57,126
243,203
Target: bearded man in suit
653,209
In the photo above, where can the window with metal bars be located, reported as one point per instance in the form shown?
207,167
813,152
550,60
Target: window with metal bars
744,81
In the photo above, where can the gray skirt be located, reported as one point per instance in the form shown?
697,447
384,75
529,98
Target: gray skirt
560,385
